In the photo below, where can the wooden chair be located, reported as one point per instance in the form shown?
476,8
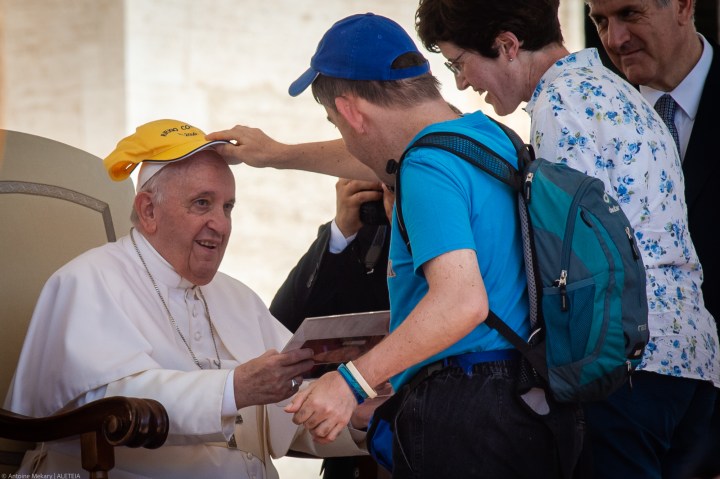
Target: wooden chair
56,202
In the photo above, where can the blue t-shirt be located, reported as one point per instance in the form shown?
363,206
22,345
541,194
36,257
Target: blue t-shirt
449,204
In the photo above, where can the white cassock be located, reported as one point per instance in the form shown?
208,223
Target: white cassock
100,329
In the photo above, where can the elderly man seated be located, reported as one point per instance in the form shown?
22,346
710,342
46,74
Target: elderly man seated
150,316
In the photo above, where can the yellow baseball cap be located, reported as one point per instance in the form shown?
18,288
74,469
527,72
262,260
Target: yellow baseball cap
160,142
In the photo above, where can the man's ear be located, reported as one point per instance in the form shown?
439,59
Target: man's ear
685,11
508,45
145,209
347,106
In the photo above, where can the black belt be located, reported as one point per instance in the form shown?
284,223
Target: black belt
465,361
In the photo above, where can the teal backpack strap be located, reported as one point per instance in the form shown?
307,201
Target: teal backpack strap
468,149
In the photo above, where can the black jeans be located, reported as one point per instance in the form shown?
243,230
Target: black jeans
474,426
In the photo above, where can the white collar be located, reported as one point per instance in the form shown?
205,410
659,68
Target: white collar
687,94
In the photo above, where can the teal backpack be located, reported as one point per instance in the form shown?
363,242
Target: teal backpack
586,279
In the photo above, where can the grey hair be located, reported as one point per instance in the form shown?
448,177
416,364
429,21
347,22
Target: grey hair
660,4
154,186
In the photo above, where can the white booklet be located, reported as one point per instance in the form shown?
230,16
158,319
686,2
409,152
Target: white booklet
339,338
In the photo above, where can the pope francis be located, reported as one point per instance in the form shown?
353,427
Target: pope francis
150,316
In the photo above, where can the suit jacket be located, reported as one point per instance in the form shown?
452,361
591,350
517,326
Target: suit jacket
323,283
701,158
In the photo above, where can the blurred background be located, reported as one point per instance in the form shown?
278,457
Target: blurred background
87,72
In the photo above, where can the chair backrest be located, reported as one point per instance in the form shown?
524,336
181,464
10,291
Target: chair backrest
56,201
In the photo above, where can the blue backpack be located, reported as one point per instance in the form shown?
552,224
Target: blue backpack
586,279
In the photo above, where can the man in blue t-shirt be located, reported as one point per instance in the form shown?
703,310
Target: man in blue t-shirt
460,414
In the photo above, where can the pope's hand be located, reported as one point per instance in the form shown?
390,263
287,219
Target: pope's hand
270,378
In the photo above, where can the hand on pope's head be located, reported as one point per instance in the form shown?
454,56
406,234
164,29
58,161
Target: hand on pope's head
270,378
324,407
350,194
253,146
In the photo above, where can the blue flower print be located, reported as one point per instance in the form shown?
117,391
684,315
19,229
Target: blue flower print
588,90
666,184
613,117
572,58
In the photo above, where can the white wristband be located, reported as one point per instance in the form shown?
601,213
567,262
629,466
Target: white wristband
361,380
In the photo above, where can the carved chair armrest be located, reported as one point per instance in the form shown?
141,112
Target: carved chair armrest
101,425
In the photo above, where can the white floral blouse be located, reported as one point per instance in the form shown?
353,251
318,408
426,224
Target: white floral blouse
584,115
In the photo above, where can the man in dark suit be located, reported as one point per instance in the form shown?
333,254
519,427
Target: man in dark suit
656,46
343,271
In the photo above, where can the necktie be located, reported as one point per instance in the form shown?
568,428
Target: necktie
666,106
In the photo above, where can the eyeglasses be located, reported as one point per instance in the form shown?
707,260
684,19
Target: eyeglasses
453,66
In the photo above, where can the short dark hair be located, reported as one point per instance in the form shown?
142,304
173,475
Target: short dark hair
404,93
475,24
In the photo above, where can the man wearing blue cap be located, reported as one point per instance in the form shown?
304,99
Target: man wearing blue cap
459,415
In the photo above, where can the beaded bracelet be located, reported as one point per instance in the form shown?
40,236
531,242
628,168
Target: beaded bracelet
356,389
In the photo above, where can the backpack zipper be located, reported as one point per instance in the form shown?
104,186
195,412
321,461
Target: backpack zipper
633,245
528,185
561,282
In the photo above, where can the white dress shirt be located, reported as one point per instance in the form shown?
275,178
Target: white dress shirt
687,96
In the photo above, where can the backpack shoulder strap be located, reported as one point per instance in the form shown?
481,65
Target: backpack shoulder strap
525,152
470,150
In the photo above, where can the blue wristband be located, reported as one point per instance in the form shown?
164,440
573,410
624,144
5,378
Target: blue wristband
357,391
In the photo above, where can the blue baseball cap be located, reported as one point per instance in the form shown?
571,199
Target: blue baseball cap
361,47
